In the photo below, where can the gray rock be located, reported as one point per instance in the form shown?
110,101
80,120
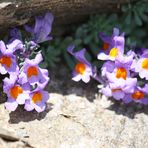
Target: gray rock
8,135
3,144
75,122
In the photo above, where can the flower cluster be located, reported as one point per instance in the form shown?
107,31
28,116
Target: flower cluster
123,75
20,61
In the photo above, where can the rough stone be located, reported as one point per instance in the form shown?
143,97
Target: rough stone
8,135
72,121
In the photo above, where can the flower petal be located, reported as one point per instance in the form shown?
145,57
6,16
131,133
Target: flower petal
28,105
40,107
11,105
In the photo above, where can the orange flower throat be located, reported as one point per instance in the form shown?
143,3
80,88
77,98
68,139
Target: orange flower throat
15,91
32,71
121,73
37,97
137,95
80,68
5,60
116,90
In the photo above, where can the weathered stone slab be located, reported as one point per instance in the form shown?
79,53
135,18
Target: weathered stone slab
8,135
18,12
74,122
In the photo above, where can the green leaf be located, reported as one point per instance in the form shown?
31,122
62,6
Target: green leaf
88,39
69,60
137,18
143,16
128,18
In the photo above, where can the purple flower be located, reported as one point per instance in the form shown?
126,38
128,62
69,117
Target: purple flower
37,101
120,67
119,88
15,34
16,93
139,95
7,59
141,65
15,45
83,69
117,74
121,77
108,66
32,73
116,93
108,40
113,46
42,28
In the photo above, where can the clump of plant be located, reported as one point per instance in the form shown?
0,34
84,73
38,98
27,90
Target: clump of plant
123,74
20,59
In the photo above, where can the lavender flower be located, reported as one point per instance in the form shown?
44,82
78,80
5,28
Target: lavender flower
7,59
15,45
108,40
116,93
113,46
42,28
118,69
139,95
108,66
37,101
141,65
32,73
117,74
26,79
15,34
16,93
83,69
119,88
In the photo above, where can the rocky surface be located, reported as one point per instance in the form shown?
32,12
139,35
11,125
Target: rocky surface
76,118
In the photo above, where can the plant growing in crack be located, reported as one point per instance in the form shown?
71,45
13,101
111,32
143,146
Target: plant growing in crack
21,61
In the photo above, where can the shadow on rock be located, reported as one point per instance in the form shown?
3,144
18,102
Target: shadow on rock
128,110
62,83
21,115
71,87
3,97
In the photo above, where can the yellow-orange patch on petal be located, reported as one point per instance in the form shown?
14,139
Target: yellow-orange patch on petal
80,68
137,95
105,46
15,91
37,97
5,60
121,73
116,90
32,71
113,52
145,64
